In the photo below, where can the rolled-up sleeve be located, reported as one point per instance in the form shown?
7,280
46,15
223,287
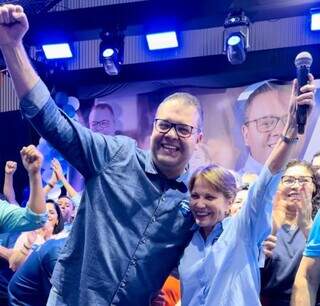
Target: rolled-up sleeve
16,219
87,151
34,101
256,215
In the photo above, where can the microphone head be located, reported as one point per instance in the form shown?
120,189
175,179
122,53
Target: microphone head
303,59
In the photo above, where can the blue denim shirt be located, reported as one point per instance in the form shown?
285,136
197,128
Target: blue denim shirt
226,273
132,224
30,285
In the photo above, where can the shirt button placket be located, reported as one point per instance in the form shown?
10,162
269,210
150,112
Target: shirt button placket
134,261
143,240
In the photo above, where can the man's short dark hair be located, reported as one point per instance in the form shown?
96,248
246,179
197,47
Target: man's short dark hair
187,99
103,106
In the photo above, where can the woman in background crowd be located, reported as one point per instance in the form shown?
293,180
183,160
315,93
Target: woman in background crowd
292,220
30,240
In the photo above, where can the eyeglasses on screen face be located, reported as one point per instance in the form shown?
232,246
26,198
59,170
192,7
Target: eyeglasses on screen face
268,123
101,124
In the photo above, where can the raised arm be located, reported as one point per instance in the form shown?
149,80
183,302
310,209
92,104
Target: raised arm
32,161
52,182
13,26
256,211
88,152
8,190
56,166
283,150
13,218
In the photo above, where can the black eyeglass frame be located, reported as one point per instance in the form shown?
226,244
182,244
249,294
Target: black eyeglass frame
176,126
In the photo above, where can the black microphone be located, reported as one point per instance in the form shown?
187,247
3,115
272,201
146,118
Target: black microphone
303,62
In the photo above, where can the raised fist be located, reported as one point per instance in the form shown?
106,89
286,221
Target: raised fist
31,158
13,24
10,167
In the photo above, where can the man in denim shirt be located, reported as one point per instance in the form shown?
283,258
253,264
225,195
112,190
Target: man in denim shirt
133,222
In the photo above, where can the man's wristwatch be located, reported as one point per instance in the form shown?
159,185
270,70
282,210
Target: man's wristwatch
289,140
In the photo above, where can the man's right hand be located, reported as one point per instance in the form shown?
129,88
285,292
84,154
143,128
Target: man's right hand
13,25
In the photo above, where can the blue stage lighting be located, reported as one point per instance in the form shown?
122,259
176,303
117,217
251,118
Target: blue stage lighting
234,40
111,61
236,49
111,51
236,36
315,19
108,52
57,51
164,40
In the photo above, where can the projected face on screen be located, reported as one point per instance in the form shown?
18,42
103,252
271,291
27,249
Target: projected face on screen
265,118
101,119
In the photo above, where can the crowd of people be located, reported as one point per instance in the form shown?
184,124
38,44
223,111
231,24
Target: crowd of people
147,231
28,256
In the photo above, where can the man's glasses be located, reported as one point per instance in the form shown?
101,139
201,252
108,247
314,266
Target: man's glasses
102,124
291,180
268,123
182,130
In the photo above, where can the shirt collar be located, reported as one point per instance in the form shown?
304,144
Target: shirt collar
151,168
216,231
149,165
289,228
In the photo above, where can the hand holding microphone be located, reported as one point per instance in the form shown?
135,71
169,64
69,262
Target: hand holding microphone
303,63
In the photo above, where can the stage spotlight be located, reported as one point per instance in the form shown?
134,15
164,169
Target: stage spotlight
315,19
236,49
111,52
236,37
57,51
111,62
163,40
